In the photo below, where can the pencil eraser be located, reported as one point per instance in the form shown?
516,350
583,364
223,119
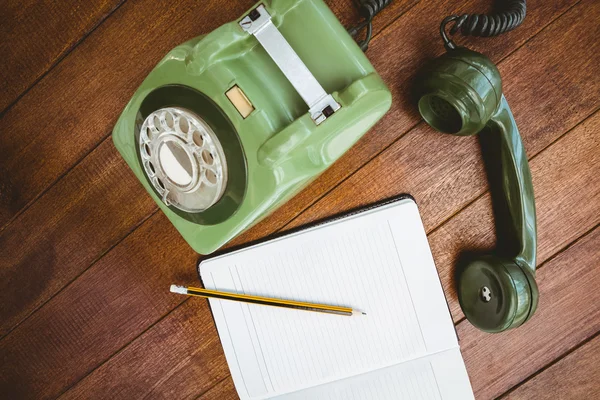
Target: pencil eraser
178,289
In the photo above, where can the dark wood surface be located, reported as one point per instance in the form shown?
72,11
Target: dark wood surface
37,34
84,310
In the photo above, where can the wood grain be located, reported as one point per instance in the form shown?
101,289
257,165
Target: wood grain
568,313
72,225
82,100
186,345
583,147
92,318
573,377
36,35
347,13
93,207
224,390
84,202
566,316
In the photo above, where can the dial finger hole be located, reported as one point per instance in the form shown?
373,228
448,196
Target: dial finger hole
147,150
160,183
211,177
208,157
151,168
184,125
156,121
198,138
169,120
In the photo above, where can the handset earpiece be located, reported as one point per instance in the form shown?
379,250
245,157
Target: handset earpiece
461,93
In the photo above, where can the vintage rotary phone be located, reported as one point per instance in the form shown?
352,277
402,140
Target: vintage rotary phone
461,93
230,125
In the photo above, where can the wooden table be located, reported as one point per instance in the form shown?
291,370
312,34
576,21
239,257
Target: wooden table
86,258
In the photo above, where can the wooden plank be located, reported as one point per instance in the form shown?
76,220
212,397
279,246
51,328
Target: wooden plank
568,314
166,228
159,376
347,13
81,101
82,251
76,222
105,308
573,377
81,104
582,146
36,35
223,390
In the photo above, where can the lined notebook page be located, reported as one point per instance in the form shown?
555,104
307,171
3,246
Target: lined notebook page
377,261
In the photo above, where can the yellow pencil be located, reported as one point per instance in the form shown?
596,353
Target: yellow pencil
267,301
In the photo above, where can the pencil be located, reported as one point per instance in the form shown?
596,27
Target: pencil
267,301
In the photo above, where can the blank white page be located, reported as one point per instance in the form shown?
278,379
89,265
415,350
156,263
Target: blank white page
377,261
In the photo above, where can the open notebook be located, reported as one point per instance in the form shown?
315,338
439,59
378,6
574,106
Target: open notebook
377,261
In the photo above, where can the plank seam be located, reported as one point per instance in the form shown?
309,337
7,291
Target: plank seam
213,386
549,365
42,76
31,202
116,353
552,257
38,80
110,248
566,353
102,139
395,19
60,58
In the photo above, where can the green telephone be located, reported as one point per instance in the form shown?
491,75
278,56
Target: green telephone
232,124
461,93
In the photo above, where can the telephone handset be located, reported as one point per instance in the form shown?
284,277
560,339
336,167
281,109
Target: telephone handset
461,93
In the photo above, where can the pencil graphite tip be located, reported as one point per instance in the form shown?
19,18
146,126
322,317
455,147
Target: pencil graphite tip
178,289
357,312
